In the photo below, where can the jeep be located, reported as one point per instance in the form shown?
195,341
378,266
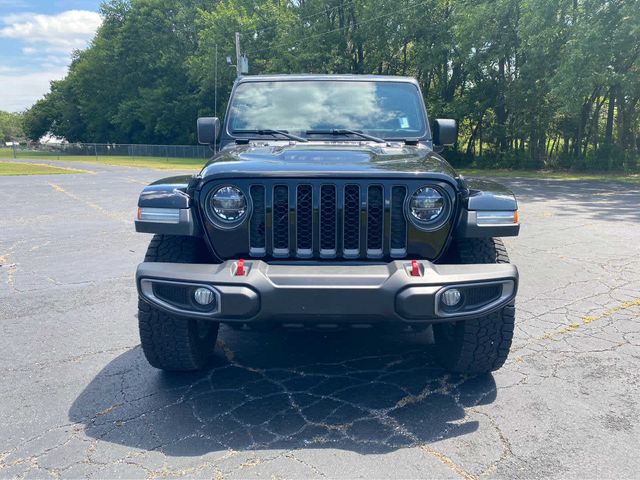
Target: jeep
326,205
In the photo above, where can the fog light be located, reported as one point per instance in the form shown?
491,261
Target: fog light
203,296
451,297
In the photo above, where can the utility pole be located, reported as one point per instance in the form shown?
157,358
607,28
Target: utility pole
238,56
215,84
215,89
242,62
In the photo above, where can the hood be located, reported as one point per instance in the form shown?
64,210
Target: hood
327,159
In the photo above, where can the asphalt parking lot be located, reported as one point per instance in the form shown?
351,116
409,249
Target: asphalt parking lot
77,398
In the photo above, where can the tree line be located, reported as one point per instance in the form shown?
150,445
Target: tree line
532,83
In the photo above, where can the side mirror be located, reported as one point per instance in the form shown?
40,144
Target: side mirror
445,132
208,130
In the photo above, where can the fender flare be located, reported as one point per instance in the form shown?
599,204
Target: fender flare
165,207
486,196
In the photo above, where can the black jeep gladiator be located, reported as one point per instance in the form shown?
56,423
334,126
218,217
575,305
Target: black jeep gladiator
326,205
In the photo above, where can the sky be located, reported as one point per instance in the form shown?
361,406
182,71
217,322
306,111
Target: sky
37,38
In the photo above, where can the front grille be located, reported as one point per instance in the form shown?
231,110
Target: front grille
352,221
399,223
304,226
258,221
315,220
281,221
328,221
375,221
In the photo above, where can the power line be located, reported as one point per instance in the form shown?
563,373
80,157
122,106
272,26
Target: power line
319,35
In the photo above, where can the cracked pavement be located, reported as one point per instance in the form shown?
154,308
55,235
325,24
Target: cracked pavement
79,399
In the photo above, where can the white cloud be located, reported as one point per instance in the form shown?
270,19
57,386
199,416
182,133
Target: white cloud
21,89
48,41
62,32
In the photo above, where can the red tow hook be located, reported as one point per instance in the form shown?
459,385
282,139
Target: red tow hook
415,268
240,271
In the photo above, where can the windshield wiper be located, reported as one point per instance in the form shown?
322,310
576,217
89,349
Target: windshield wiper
342,131
269,131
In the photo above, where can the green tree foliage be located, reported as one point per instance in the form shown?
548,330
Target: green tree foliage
11,127
131,85
533,83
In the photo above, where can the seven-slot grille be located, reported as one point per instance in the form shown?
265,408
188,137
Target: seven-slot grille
346,220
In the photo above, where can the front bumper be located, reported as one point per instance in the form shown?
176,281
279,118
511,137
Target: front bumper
328,293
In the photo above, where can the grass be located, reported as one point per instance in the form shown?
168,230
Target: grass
141,162
545,174
160,163
13,169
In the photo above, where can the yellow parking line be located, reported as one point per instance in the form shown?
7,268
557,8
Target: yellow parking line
107,213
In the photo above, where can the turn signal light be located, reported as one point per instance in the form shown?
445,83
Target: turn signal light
158,215
499,217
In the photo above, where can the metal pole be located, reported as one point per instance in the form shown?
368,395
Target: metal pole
215,84
238,56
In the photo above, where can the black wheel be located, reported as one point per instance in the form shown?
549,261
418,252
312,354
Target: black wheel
482,344
168,342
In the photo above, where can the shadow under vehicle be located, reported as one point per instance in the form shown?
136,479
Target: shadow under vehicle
285,390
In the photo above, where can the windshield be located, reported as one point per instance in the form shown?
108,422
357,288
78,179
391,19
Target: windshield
382,109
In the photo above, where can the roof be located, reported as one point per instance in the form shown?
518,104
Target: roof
315,76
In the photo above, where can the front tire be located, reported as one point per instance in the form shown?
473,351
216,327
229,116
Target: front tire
478,345
173,343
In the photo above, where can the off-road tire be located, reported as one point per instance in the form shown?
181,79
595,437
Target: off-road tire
173,343
478,345
478,250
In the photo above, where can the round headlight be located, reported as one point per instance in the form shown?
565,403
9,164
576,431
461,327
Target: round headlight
228,204
426,205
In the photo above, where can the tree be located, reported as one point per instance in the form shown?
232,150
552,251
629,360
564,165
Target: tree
11,128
